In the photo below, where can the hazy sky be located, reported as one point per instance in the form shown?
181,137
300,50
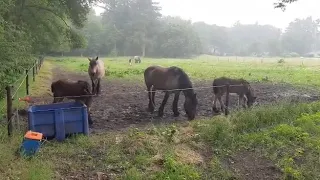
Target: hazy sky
227,12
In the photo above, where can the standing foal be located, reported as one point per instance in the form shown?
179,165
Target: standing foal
96,72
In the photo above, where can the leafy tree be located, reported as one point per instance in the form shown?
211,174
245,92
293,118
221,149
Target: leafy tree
29,28
283,3
301,36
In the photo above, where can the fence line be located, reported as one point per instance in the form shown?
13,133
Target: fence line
139,92
10,96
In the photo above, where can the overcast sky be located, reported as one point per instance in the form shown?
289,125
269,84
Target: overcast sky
227,12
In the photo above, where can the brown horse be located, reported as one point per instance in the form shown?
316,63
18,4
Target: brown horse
170,80
238,86
96,72
72,90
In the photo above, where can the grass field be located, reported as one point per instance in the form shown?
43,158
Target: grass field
281,141
207,68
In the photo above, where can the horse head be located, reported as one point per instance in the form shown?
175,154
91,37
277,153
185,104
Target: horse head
251,98
92,65
190,105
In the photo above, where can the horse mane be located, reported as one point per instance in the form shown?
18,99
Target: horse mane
184,79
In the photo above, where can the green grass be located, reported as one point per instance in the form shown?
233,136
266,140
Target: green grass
288,135
209,67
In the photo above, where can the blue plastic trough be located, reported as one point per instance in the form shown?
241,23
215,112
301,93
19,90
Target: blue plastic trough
59,120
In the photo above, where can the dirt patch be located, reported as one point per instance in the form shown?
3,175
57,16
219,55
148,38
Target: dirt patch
123,103
251,166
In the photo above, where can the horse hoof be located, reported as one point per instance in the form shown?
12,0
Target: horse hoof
150,110
215,110
160,114
176,114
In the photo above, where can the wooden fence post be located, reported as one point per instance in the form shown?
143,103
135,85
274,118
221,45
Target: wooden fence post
226,112
34,72
27,82
36,66
9,110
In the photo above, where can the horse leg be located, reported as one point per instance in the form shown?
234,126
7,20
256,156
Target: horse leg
223,107
98,86
93,86
241,100
164,102
89,119
151,103
244,102
175,104
57,98
214,104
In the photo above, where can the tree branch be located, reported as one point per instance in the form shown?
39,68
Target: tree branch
48,10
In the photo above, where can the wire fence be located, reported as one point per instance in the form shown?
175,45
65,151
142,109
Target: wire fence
10,105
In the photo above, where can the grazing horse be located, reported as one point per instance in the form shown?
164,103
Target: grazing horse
136,59
170,80
76,90
237,86
96,72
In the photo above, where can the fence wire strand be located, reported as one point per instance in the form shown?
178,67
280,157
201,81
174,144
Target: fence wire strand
16,92
139,92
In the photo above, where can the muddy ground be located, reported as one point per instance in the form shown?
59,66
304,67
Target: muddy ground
123,103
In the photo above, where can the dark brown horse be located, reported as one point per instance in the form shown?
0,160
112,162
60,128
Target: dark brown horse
170,80
77,90
96,72
237,86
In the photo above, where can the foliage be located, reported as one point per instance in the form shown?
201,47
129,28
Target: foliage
283,3
136,27
29,28
287,134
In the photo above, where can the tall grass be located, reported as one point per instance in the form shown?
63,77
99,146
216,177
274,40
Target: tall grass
288,134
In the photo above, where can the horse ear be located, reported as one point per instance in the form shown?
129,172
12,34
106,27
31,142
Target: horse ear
89,59
97,58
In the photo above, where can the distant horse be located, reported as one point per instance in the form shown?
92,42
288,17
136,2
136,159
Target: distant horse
241,87
170,80
77,90
96,72
136,59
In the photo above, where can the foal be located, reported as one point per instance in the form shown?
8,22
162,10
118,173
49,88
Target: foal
238,86
170,80
96,72
77,90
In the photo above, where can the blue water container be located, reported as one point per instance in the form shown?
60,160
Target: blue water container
29,147
31,143
59,119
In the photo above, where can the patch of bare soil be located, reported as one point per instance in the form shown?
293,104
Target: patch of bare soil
123,103
251,166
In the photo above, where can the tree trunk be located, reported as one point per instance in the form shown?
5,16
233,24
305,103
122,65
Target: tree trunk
143,47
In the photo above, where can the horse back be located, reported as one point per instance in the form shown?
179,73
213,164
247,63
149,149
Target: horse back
70,88
161,78
239,86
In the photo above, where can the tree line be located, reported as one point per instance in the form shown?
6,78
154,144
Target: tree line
29,28
136,27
